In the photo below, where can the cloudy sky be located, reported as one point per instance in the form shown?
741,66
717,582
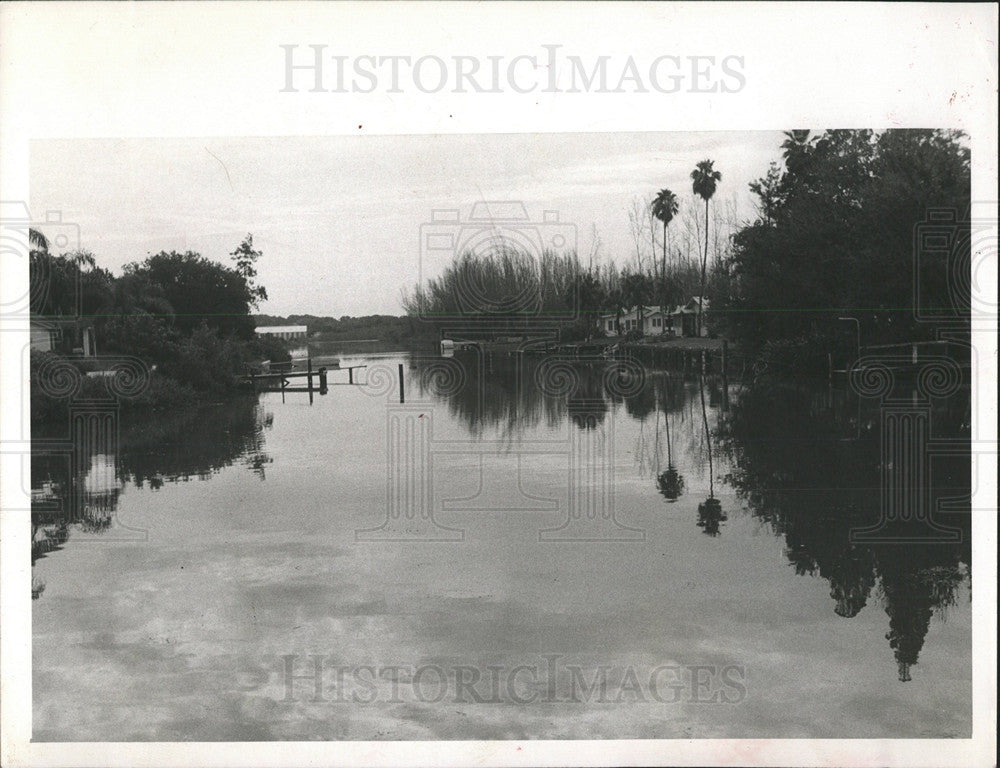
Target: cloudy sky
339,218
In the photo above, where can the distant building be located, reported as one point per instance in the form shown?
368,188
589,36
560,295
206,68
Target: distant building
656,321
283,331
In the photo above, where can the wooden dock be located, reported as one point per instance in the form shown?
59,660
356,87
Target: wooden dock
316,381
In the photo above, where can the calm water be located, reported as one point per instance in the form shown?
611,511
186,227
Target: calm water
529,532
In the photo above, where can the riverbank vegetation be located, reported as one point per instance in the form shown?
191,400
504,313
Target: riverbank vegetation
186,318
509,291
837,235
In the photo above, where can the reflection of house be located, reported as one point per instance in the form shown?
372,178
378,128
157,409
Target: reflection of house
100,490
655,321
283,331
74,336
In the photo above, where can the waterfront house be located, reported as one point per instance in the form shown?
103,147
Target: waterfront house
681,320
684,319
66,336
651,321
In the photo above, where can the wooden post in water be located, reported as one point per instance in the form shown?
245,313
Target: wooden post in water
322,381
402,399
725,375
309,378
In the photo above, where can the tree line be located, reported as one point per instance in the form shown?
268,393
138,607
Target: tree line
510,289
509,286
187,317
836,234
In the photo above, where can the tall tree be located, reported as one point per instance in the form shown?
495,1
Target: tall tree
199,291
664,209
245,258
704,181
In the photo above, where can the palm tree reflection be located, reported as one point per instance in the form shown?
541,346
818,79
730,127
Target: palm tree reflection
808,472
710,514
670,482
669,397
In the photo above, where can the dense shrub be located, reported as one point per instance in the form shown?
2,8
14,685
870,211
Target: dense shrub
271,348
208,362
51,388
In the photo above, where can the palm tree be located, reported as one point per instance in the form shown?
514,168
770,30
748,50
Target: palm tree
664,208
37,241
705,180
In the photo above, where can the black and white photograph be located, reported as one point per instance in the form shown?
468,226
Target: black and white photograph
504,444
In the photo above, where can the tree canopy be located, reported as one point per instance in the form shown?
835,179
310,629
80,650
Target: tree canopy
199,291
835,236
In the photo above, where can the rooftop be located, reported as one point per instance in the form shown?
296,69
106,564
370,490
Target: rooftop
282,329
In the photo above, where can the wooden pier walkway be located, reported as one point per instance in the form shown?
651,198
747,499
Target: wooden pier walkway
280,381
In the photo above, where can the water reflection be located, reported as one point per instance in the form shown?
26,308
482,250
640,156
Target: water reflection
806,462
809,466
710,514
669,398
77,481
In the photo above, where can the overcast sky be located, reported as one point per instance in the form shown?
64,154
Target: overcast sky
338,218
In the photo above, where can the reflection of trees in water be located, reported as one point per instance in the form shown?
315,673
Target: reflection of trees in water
498,400
670,400
710,514
80,491
805,464
813,475
587,406
195,442
507,397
